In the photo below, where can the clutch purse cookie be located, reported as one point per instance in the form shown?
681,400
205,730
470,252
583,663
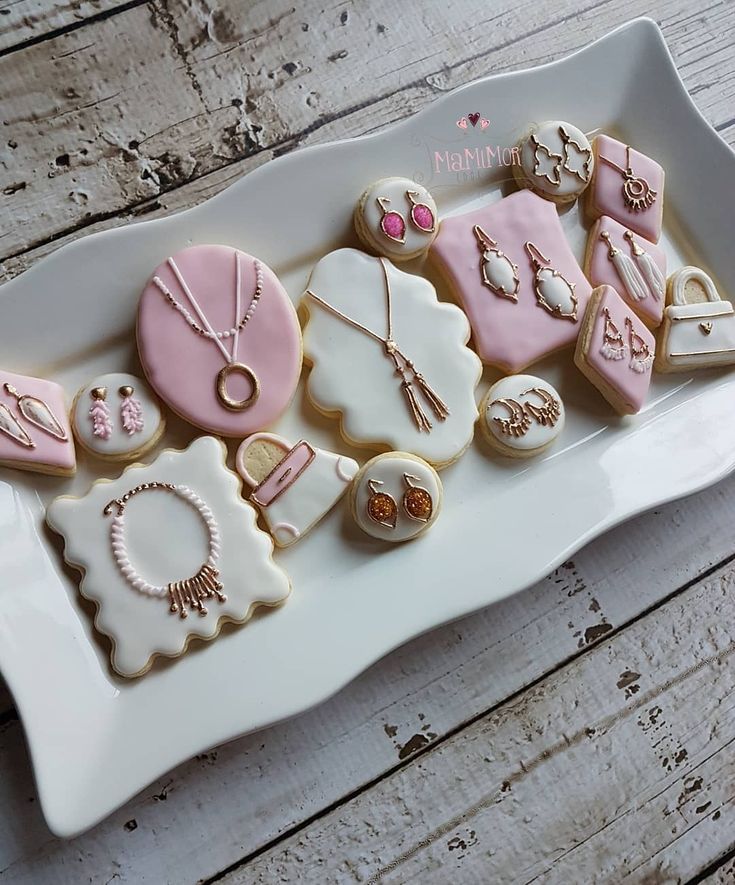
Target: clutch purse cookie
698,329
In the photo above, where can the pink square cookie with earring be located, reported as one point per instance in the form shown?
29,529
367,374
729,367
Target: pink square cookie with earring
512,270
628,186
615,351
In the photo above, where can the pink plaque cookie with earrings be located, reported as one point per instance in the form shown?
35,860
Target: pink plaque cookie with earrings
219,339
636,268
628,186
516,277
34,427
615,351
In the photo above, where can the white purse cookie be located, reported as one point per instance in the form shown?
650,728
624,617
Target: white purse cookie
168,552
698,328
389,357
293,486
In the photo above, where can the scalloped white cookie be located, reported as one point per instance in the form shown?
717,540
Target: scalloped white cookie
402,379
168,552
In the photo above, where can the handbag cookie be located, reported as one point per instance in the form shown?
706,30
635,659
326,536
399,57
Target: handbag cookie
292,486
698,329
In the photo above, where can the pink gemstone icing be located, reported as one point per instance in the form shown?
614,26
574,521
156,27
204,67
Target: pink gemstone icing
393,225
509,335
422,217
182,366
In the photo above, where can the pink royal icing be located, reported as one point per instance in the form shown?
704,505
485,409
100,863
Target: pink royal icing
606,192
422,217
182,366
601,270
508,334
393,225
47,451
631,385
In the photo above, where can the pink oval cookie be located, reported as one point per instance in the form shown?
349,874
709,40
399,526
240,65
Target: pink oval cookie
219,339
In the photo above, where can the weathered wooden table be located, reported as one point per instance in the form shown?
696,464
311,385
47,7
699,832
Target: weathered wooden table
580,732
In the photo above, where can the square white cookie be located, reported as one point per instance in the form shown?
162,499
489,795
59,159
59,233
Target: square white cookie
185,556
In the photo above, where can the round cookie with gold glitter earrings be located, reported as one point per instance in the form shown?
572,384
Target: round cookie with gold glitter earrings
396,497
117,417
397,218
521,416
556,161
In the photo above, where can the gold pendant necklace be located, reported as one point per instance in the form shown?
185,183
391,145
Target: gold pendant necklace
404,367
637,192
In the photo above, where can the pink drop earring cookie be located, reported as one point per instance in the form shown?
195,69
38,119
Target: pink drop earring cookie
382,226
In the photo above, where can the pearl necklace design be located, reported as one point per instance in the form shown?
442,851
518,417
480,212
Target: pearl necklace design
182,595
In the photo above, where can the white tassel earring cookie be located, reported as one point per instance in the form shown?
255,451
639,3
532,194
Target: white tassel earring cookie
649,270
633,283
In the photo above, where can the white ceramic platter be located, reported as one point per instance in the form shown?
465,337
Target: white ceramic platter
96,739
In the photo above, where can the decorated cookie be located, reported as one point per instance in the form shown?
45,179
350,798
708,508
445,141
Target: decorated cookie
396,497
556,161
521,415
615,351
219,339
293,486
34,427
389,357
168,552
627,186
635,268
511,267
116,417
698,330
396,217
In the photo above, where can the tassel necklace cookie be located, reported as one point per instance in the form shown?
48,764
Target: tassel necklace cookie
412,382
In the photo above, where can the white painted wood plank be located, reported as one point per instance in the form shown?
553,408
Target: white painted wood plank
620,765
23,20
138,104
237,799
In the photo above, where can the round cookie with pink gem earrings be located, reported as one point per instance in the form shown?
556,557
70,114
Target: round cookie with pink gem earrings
396,218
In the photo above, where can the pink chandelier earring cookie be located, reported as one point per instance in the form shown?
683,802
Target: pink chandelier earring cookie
117,417
168,552
556,161
293,486
627,186
524,252
615,351
698,329
396,497
521,416
636,268
389,357
219,339
397,218
34,428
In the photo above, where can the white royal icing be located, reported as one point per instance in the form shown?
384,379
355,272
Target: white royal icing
311,495
394,190
536,434
352,375
556,165
132,424
390,470
167,540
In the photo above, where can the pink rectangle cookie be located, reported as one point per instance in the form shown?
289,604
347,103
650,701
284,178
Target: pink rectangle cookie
516,277
633,266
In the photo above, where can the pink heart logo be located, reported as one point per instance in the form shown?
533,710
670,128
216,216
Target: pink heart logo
484,123
462,123
473,118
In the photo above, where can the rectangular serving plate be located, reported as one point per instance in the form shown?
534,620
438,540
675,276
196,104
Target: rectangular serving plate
96,739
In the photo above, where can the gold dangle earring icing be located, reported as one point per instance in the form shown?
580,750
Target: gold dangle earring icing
417,501
392,223
553,290
38,413
381,507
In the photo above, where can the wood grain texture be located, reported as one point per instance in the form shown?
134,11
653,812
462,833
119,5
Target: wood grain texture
22,21
233,802
618,766
155,107
112,116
